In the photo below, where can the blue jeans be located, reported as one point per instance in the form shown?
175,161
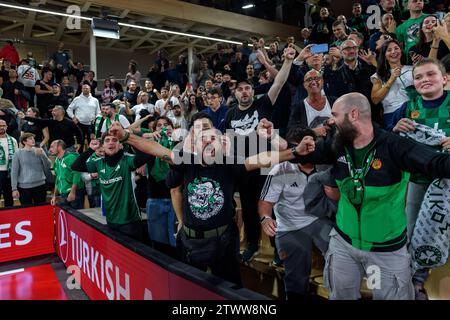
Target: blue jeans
388,120
161,221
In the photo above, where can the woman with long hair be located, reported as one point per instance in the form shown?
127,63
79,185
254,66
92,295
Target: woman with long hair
191,107
392,81
429,42
109,93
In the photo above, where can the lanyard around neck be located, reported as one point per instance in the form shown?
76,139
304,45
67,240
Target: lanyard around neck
365,168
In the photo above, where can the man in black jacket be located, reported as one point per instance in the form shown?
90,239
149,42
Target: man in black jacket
369,164
60,127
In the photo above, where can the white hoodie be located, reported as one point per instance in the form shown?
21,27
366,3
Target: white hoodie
85,109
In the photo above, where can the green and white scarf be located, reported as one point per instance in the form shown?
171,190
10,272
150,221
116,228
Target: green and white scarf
109,122
97,129
11,151
98,124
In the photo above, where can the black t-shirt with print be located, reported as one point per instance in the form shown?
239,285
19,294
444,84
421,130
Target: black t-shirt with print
207,193
244,124
43,100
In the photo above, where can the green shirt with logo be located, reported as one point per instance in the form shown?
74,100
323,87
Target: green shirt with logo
408,32
65,176
116,189
438,118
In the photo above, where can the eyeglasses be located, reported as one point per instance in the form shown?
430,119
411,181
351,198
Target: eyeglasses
316,79
350,48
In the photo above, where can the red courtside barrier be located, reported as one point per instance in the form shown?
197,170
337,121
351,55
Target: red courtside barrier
26,232
107,264
107,269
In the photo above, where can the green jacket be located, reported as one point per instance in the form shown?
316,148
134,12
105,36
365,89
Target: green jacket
379,223
65,176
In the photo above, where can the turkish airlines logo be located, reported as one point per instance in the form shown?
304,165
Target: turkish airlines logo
62,236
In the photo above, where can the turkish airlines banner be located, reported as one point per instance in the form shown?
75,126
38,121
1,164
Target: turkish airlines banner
107,270
26,232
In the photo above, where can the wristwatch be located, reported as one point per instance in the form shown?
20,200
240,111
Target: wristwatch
295,152
264,218
127,135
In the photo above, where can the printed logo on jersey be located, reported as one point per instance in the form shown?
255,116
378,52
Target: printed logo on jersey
205,198
377,164
415,115
427,256
246,125
412,32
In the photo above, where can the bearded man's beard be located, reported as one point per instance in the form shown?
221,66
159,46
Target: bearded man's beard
345,135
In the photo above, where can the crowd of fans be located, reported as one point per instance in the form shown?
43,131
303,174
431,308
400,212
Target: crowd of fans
290,86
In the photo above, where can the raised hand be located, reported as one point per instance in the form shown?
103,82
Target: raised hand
415,57
440,31
116,130
265,129
306,146
305,53
335,52
94,144
367,56
391,26
289,53
260,56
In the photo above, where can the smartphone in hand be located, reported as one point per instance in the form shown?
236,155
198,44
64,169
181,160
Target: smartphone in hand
319,48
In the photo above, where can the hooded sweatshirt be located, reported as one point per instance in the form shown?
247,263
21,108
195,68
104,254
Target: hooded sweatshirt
85,109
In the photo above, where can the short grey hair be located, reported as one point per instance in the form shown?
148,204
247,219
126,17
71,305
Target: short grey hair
60,108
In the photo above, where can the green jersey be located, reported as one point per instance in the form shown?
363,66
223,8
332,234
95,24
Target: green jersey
65,176
407,32
437,118
116,189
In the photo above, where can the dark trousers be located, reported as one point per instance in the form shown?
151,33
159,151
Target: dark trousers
36,195
95,200
132,229
249,192
86,130
78,203
220,254
5,188
32,93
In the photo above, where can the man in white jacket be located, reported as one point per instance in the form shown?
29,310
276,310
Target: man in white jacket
83,110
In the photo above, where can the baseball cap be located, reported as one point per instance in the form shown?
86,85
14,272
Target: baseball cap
243,80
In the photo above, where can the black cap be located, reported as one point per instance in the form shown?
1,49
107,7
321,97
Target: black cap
243,80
